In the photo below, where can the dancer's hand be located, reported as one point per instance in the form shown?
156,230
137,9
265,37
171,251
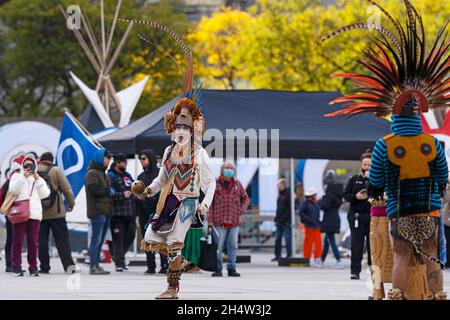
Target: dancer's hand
148,191
202,209
138,188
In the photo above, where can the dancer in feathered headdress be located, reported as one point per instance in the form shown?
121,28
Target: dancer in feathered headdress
184,172
404,79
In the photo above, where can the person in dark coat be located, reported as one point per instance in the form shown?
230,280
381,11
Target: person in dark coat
310,216
331,222
98,206
15,168
283,220
147,206
359,215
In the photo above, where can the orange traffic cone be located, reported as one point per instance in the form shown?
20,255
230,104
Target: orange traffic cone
105,255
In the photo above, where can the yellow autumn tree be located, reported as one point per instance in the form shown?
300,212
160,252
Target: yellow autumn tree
215,41
277,45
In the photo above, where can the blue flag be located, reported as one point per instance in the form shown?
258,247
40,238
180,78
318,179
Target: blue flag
75,151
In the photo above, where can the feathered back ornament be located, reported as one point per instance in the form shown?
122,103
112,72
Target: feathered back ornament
400,69
191,96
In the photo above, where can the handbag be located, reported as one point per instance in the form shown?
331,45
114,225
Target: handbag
8,203
20,210
208,253
198,220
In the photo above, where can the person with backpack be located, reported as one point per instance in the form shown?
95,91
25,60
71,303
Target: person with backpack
54,214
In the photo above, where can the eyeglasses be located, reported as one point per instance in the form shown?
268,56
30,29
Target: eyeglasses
143,159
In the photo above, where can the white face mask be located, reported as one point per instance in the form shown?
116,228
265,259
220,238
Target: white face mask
181,136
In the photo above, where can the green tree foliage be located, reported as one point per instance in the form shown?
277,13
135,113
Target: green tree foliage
275,45
37,51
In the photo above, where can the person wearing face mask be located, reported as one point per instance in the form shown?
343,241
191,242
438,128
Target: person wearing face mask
356,193
185,171
123,220
230,201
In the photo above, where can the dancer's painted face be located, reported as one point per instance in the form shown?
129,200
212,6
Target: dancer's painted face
182,134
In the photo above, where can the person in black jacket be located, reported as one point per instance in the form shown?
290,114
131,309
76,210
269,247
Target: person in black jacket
331,222
356,193
309,212
283,220
147,206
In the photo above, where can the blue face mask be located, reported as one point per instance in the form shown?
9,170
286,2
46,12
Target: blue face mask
228,173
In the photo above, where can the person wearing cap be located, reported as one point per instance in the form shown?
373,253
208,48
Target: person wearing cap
99,206
230,202
54,215
15,168
310,213
123,220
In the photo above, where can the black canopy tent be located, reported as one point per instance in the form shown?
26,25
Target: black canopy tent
303,130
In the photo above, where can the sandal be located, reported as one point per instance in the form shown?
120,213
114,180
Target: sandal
167,295
395,294
185,266
438,295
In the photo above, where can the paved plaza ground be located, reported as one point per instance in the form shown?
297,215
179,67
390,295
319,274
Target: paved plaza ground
260,279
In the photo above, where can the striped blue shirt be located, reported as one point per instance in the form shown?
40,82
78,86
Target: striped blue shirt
403,125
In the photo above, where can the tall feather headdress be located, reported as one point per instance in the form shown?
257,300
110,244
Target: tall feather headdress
400,69
191,94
